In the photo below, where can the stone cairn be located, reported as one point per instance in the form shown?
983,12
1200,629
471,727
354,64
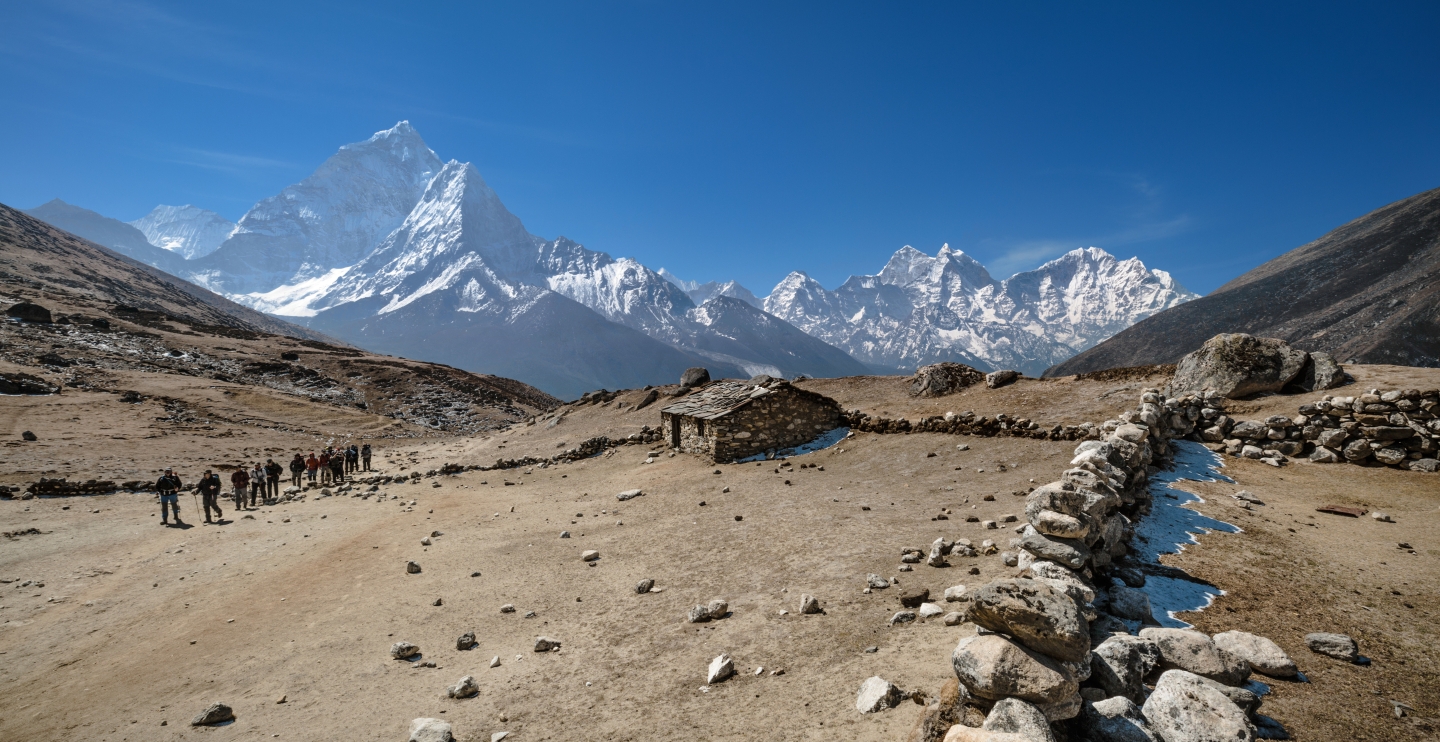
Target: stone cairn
1397,428
1049,654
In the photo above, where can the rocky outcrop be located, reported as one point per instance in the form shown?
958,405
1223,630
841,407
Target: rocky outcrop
1238,365
940,379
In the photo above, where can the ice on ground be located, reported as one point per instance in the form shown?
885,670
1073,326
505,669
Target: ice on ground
1170,526
819,444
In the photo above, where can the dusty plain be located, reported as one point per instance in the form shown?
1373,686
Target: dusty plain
138,626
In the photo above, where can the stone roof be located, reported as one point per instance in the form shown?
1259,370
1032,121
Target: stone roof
716,400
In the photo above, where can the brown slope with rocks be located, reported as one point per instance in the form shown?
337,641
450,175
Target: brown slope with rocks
1367,292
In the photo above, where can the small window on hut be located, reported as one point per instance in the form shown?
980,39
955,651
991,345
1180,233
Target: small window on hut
700,428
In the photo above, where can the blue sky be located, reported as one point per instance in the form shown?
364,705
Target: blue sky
730,140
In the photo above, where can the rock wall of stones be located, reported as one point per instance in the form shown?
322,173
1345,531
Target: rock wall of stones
967,423
780,419
1050,653
1397,428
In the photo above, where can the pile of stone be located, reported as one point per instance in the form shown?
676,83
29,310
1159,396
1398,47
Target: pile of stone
1050,653
62,488
967,423
1396,428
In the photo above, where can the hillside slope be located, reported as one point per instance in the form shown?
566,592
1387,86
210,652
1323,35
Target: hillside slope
1367,292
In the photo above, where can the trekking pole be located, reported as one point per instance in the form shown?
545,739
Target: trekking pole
197,502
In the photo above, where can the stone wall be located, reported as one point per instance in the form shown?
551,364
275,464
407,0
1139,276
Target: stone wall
1397,428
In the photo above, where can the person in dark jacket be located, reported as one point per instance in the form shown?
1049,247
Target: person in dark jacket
365,455
210,487
169,488
337,467
297,469
240,480
352,459
272,479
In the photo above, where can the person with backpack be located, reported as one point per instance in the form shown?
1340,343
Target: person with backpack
240,480
272,479
325,466
297,468
337,467
365,455
352,459
209,487
169,488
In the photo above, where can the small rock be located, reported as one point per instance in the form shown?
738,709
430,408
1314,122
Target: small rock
423,542
721,668
546,644
628,495
495,661
589,555
954,618
877,694
507,608
564,534
1382,517
955,594
718,609
930,610
412,568
1014,716
466,688
913,597
876,582
496,737
808,604
403,650
466,641
215,713
644,586
438,601
430,730
1339,646
698,614
902,617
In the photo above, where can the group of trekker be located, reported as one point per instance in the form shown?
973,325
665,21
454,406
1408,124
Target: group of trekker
261,482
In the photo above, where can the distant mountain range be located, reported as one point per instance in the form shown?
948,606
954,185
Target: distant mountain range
1367,292
389,247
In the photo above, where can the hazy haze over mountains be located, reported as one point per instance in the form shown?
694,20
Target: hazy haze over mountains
389,247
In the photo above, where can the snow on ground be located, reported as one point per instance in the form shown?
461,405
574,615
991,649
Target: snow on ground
293,300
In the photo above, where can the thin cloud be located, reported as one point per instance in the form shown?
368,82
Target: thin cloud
226,162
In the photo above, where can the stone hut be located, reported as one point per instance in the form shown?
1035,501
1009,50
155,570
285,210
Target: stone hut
729,420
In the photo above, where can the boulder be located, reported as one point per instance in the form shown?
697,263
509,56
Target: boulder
215,713
1120,664
1184,708
993,667
430,730
1131,604
1036,615
1071,553
1194,652
721,667
29,312
997,379
1014,716
1265,656
877,694
937,718
1114,720
1320,372
940,379
1339,646
1237,365
808,604
18,383
694,377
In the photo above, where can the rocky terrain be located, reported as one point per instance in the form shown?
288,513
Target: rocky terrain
674,598
1382,307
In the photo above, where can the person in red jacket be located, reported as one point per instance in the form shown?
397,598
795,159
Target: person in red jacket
241,481
325,467
312,465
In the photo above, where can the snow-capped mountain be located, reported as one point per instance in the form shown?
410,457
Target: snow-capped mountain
921,309
330,220
190,231
701,292
388,247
